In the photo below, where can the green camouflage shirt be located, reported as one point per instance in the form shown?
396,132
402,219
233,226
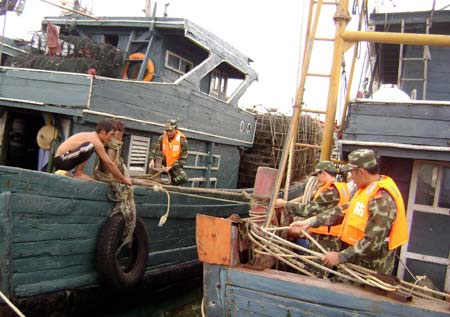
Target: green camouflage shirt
372,251
326,200
156,151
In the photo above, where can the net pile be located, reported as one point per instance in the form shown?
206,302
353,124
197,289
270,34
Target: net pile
270,136
77,56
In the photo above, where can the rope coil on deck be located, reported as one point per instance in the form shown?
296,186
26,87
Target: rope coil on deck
266,242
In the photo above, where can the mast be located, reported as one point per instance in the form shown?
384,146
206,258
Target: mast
148,8
341,18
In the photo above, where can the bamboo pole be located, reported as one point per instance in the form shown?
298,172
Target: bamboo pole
296,115
295,128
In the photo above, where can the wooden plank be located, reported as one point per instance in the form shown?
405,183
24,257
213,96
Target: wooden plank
41,87
34,205
410,111
5,244
29,232
402,153
244,302
214,286
388,126
159,102
61,247
172,256
45,184
89,279
38,276
359,135
47,262
325,293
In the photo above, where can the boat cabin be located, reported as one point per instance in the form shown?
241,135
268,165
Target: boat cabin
412,137
142,71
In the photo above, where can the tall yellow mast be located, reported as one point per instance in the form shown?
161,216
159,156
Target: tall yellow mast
341,18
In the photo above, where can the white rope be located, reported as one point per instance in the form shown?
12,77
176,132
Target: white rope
164,217
11,305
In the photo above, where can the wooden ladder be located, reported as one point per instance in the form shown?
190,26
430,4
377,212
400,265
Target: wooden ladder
144,39
426,57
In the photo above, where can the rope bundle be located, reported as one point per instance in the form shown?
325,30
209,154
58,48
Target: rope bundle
287,252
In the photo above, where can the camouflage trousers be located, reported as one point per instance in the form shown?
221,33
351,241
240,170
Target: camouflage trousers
382,264
329,243
178,175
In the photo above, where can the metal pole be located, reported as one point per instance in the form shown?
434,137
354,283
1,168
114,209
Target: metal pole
341,17
396,38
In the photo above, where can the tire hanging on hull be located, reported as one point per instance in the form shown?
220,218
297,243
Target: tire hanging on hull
124,270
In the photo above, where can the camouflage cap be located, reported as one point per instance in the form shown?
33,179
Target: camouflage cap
362,158
170,125
326,166
345,168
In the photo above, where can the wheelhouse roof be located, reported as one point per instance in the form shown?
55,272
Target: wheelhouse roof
189,29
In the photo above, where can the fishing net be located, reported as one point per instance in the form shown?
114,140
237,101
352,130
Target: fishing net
270,136
77,56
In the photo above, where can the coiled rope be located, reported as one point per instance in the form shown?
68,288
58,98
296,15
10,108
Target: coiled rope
122,194
283,250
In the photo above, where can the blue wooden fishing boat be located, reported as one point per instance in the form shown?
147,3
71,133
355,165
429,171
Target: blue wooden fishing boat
159,69
411,138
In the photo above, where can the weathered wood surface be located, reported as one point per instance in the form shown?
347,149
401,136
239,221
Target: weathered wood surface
424,124
243,292
48,87
49,226
417,124
156,102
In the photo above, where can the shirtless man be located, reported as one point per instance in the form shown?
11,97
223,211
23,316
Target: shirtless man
76,151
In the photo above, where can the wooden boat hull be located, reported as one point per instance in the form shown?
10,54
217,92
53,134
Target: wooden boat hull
238,291
49,226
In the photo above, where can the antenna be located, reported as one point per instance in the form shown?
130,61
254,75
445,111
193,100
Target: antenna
165,9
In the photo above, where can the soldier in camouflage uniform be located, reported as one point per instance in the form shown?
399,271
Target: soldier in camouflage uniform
172,148
326,197
379,202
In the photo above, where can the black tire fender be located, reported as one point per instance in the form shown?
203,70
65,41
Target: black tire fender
124,271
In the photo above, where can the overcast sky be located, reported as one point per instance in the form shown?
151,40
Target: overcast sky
266,31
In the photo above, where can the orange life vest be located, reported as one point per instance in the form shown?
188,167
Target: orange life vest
357,215
172,149
343,199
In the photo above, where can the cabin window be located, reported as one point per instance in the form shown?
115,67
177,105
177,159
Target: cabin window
426,184
177,63
428,222
138,154
112,39
444,195
218,86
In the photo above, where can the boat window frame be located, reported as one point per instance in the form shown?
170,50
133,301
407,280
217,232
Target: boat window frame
218,85
180,60
133,139
434,208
